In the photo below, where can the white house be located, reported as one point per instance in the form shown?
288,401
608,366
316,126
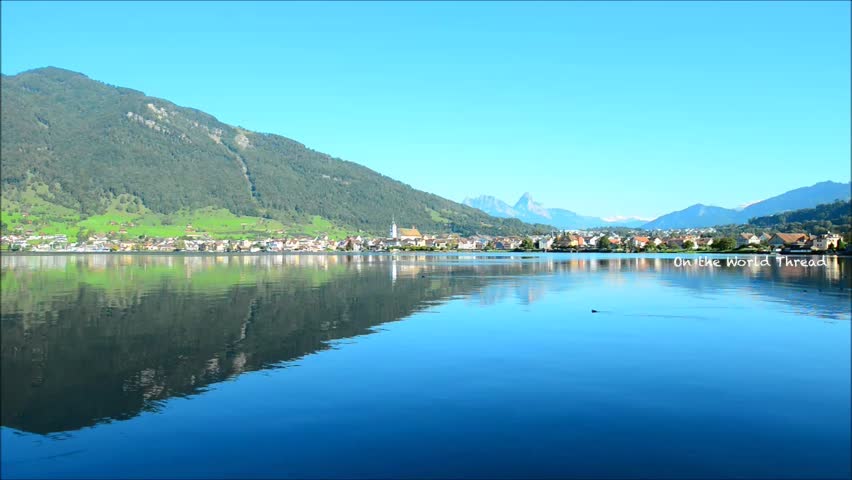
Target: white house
545,243
826,241
745,239
465,244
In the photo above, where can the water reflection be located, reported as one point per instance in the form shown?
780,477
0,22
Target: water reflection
92,338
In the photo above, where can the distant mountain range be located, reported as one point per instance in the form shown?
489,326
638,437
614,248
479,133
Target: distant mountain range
707,216
694,216
528,210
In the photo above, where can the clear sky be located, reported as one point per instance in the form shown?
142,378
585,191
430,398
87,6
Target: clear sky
603,108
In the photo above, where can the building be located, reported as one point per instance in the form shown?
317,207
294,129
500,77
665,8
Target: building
784,239
592,241
409,233
507,243
827,241
746,239
465,244
544,243
679,242
639,242
704,242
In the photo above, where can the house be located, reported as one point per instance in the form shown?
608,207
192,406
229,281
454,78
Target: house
377,244
507,244
409,234
802,246
438,243
574,241
639,242
703,242
680,242
592,241
465,244
827,241
675,242
566,241
784,239
746,239
765,237
544,243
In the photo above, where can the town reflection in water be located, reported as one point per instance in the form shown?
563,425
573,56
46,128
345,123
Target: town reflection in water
94,338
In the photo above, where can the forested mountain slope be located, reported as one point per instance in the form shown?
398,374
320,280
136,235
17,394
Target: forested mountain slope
80,144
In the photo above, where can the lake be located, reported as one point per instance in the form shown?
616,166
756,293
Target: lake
380,366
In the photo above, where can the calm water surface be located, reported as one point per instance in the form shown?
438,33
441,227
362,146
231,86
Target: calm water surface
422,366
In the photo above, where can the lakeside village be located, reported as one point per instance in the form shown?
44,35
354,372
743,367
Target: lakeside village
411,239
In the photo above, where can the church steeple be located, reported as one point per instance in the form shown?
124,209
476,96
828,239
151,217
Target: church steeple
393,232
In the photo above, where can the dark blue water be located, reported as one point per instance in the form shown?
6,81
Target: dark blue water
423,366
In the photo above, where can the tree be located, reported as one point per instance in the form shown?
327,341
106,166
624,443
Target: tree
603,243
83,235
841,245
688,245
527,244
724,243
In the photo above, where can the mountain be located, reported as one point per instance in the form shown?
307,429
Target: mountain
75,149
492,206
528,207
835,217
805,197
529,210
708,216
697,215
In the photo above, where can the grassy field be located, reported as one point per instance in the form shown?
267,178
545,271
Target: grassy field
32,210
320,226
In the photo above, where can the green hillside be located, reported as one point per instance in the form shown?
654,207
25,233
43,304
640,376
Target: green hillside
834,217
77,153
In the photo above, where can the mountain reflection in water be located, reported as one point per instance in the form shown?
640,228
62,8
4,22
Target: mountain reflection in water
94,338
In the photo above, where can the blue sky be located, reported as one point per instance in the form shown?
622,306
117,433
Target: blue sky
603,108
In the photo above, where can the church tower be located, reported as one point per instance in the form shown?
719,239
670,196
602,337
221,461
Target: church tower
393,232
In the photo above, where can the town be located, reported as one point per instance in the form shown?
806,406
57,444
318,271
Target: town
410,239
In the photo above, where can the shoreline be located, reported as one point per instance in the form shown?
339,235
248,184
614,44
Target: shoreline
437,253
